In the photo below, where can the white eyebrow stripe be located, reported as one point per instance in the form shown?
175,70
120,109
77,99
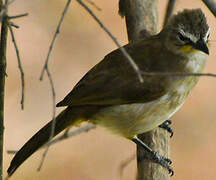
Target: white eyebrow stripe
207,34
188,35
191,37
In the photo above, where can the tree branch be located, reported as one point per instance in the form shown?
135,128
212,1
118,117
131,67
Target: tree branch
94,5
53,118
46,68
125,163
130,60
177,74
211,5
65,136
54,38
3,45
169,11
18,16
141,16
19,65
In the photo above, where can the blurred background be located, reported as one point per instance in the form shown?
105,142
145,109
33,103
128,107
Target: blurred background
95,155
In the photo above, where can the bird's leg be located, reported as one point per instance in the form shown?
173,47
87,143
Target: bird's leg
154,156
166,125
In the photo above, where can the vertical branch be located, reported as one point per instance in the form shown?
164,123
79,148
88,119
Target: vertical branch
169,11
141,16
211,4
3,44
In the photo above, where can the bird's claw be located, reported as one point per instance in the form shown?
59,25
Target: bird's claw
163,161
166,125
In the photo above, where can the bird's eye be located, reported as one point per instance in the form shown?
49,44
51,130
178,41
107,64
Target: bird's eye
183,38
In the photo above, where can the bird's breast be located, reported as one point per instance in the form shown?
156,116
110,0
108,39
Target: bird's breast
132,119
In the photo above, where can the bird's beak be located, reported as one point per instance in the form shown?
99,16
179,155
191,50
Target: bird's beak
202,46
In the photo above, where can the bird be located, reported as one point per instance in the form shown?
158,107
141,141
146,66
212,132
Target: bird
111,95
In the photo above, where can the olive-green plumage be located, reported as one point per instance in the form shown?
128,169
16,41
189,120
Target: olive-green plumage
111,95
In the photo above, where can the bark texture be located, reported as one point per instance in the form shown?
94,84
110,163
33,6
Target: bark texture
3,44
141,19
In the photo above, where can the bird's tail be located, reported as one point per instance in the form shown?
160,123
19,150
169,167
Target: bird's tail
65,119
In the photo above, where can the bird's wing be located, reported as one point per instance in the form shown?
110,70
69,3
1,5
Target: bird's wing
113,81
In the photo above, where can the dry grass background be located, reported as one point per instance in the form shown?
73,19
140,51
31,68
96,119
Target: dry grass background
95,155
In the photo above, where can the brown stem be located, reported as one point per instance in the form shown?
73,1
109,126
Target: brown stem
211,5
3,44
169,10
141,16
128,57
19,65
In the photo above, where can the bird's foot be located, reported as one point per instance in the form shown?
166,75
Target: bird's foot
154,156
157,158
166,125
163,161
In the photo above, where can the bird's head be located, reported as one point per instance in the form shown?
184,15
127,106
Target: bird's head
187,32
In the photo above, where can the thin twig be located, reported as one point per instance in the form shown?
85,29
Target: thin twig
125,163
14,25
54,38
93,4
54,119
12,151
45,68
64,136
43,158
73,133
169,10
131,61
4,8
176,74
19,65
211,4
18,16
